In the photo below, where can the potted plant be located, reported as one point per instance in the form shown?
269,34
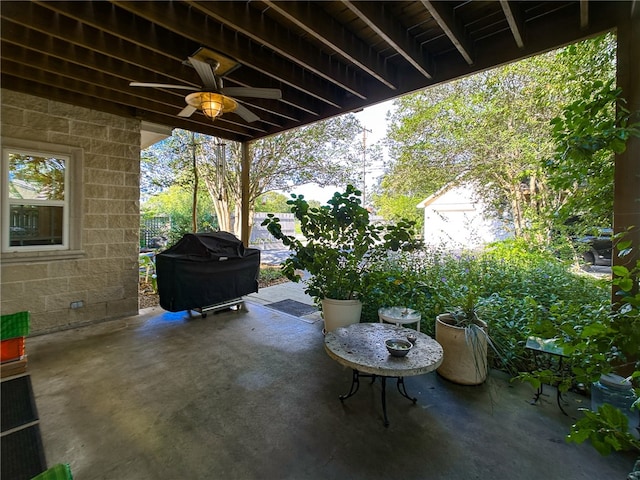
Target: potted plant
464,339
339,245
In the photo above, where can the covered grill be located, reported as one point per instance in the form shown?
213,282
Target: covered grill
203,271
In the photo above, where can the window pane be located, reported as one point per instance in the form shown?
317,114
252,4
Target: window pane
35,225
35,177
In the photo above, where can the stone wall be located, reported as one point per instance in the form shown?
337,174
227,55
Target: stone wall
102,270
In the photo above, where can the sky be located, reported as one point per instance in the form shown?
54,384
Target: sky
373,119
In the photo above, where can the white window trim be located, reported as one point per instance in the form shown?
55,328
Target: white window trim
72,235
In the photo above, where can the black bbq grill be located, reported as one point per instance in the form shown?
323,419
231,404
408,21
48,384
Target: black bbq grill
206,271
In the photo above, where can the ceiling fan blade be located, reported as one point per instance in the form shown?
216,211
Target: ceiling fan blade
187,111
246,114
252,92
206,73
163,85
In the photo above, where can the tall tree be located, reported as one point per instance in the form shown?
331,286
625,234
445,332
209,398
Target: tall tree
493,130
325,153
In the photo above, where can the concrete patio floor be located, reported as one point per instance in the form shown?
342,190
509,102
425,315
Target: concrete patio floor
251,394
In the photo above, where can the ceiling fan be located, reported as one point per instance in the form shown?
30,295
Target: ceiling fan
213,99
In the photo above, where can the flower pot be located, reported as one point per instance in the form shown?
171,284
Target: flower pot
465,351
340,313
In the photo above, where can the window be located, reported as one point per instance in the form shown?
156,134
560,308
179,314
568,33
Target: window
36,201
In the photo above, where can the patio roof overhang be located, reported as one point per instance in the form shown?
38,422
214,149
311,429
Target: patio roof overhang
328,58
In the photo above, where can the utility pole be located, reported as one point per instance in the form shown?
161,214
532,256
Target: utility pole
364,166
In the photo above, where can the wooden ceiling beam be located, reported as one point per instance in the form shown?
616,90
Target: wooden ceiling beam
215,36
41,50
324,28
443,14
43,46
96,48
375,16
73,33
132,34
35,76
250,22
16,59
515,20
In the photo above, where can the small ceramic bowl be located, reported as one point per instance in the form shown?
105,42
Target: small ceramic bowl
398,347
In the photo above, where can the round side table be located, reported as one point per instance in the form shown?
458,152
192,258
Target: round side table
400,316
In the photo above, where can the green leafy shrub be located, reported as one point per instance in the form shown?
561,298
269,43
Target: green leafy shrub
512,288
340,243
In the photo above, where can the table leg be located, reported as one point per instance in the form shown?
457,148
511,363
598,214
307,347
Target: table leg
384,401
355,384
403,391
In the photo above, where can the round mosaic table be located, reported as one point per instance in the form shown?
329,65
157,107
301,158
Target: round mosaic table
361,347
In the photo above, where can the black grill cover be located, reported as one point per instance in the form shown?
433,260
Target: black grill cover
204,269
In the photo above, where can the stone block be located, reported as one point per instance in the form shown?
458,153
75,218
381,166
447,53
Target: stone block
103,236
21,133
71,140
128,137
104,177
47,286
103,147
96,220
93,160
106,294
23,271
127,165
95,190
12,290
123,307
86,129
119,249
12,116
69,268
46,123
124,221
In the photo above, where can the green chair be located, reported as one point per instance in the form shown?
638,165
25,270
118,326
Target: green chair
62,471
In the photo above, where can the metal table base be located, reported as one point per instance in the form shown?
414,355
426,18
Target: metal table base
355,385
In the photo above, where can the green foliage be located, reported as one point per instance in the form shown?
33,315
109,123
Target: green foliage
339,244
270,274
599,339
396,280
587,134
176,202
399,207
326,153
509,286
272,202
147,269
607,429
493,130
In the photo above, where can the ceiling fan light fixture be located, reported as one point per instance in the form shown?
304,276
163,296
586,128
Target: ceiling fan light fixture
211,104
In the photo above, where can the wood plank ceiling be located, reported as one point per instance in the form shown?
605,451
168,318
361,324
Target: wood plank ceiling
327,57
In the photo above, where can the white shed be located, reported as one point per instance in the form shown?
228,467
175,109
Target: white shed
454,217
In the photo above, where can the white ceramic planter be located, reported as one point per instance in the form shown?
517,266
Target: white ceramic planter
465,354
340,313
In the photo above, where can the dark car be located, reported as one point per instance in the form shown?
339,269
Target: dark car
597,248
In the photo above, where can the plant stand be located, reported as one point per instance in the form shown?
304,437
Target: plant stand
554,362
